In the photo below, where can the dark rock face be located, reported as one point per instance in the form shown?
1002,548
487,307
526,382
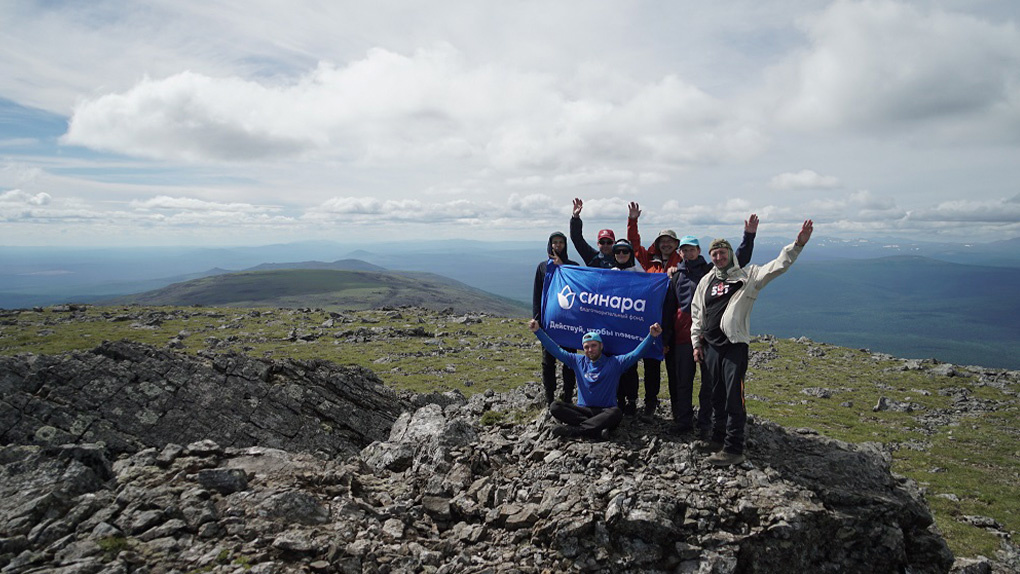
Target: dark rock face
433,492
130,396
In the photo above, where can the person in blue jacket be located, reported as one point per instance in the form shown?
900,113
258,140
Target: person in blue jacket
596,412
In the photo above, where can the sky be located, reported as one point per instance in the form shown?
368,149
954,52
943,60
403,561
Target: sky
254,122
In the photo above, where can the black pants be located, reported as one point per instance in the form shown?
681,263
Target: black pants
725,367
653,379
591,419
627,391
549,377
681,391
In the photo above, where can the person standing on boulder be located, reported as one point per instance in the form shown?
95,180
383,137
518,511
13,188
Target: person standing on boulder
720,333
596,412
601,257
676,331
627,392
556,249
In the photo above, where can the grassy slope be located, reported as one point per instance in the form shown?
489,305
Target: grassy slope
975,459
328,289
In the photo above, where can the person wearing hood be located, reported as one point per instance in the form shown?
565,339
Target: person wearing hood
676,321
595,413
720,333
556,250
601,257
627,391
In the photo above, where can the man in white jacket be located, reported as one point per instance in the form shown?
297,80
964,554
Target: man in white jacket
720,333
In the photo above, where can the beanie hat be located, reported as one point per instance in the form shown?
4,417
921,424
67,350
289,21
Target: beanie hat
607,233
717,243
622,245
591,336
689,240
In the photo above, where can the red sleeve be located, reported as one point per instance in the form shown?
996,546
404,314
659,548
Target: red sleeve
635,240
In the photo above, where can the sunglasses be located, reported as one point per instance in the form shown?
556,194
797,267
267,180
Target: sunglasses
605,241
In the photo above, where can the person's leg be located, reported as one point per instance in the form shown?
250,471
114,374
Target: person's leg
682,390
569,381
570,413
653,380
713,368
734,368
704,402
607,418
669,360
549,376
627,392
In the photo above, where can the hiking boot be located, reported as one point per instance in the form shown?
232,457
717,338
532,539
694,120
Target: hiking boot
680,429
564,431
702,445
630,409
650,407
604,434
723,458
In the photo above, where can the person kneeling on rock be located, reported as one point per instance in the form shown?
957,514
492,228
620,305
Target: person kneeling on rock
598,376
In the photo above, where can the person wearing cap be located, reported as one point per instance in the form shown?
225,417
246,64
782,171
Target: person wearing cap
601,257
676,336
598,375
720,333
627,392
660,257
556,250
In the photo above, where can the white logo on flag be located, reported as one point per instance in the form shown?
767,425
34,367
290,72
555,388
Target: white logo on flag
565,297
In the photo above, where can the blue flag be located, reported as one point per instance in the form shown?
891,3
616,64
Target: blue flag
619,305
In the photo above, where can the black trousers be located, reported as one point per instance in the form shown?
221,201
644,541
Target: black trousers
653,379
726,366
627,391
591,419
549,377
681,391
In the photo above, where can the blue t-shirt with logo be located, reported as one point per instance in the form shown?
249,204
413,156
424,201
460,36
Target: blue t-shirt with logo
596,381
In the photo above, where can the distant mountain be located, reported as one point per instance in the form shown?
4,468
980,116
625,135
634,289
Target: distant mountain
342,264
329,289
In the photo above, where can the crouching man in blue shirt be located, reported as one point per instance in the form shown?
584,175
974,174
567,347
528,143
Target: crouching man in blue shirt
598,375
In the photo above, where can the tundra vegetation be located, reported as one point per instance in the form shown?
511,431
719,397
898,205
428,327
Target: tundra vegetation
952,429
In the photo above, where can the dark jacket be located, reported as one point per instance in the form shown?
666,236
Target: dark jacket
676,311
536,296
591,257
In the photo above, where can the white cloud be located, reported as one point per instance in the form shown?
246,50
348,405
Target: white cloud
18,197
882,66
804,179
986,211
432,104
167,203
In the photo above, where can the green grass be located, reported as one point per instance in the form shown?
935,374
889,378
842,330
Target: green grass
975,459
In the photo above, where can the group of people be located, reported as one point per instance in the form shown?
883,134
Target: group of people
705,321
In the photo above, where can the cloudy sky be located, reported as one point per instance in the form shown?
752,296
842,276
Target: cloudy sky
248,122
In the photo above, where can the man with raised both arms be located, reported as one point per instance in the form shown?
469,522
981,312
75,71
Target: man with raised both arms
720,333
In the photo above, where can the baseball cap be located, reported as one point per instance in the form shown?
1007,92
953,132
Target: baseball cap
689,240
591,336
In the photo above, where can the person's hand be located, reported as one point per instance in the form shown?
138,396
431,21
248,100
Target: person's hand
805,233
556,258
578,204
751,224
671,271
698,355
665,349
655,329
533,325
633,210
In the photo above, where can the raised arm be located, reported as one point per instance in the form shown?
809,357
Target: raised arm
640,253
551,345
587,252
631,358
746,248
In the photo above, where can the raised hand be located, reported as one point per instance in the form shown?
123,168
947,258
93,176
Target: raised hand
578,204
751,224
805,232
533,325
633,210
655,329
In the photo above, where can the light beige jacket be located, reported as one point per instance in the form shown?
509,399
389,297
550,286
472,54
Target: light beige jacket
736,319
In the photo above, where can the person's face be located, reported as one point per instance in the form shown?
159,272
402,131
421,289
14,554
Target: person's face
558,244
606,245
667,245
592,350
720,257
690,252
622,255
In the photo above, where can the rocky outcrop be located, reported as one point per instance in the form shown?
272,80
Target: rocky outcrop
436,492
130,396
